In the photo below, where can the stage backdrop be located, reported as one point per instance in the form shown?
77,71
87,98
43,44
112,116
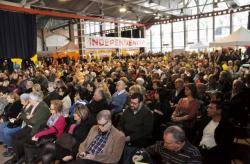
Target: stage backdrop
18,35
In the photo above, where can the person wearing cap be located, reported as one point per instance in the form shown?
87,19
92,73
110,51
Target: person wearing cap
104,143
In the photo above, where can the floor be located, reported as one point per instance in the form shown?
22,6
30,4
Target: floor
2,158
241,151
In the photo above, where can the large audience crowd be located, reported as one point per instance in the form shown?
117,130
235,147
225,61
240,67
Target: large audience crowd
174,109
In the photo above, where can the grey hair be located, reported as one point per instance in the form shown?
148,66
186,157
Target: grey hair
25,96
36,96
105,114
30,83
177,133
140,81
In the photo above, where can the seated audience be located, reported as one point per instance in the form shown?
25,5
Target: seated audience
179,91
56,122
186,110
64,96
216,136
12,126
97,104
174,148
104,143
77,131
137,125
52,93
119,98
36,117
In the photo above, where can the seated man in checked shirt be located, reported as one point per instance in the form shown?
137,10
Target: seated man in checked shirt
104,143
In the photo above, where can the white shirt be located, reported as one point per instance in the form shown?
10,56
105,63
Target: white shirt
120,92
208,140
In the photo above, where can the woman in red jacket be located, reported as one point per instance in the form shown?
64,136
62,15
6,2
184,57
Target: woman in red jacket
56,122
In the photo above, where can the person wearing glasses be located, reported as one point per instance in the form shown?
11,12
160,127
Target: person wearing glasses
137,125
174,148
104,143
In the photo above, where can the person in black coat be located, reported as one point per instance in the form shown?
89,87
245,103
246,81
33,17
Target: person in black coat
179,92
13,108
137,125
161,111
52,95
239,104
97,104
78,130
10,112
215,136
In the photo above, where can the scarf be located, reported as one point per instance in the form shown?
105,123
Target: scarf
52,119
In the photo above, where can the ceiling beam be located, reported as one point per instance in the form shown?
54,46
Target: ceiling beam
62,15
83,11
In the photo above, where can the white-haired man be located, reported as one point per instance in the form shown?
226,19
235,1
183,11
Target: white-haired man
36,118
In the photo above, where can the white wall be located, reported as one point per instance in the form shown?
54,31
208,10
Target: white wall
56,41
39,44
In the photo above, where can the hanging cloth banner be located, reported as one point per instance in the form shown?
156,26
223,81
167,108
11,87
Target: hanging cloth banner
114,42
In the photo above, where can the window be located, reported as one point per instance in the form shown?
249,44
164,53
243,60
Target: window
206,30
166,37
87,28
191,32
222,26
156,39
148,40
178,32
240,20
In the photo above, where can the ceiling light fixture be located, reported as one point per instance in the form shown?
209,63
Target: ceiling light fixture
123,9
157,16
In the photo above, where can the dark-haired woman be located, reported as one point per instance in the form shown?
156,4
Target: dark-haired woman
64,95
187,108
78,130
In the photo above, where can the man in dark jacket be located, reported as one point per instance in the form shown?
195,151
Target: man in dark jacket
97,104
137,124
179,91
216,136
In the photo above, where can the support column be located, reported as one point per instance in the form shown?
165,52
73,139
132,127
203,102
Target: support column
185,33
161,36
81,37
151,41
43,40
231,22
101,29
71,32
198,30
172,36
213,27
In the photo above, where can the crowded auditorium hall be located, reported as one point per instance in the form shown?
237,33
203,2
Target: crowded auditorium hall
124,81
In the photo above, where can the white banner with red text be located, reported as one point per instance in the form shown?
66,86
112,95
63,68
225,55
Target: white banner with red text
114,42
